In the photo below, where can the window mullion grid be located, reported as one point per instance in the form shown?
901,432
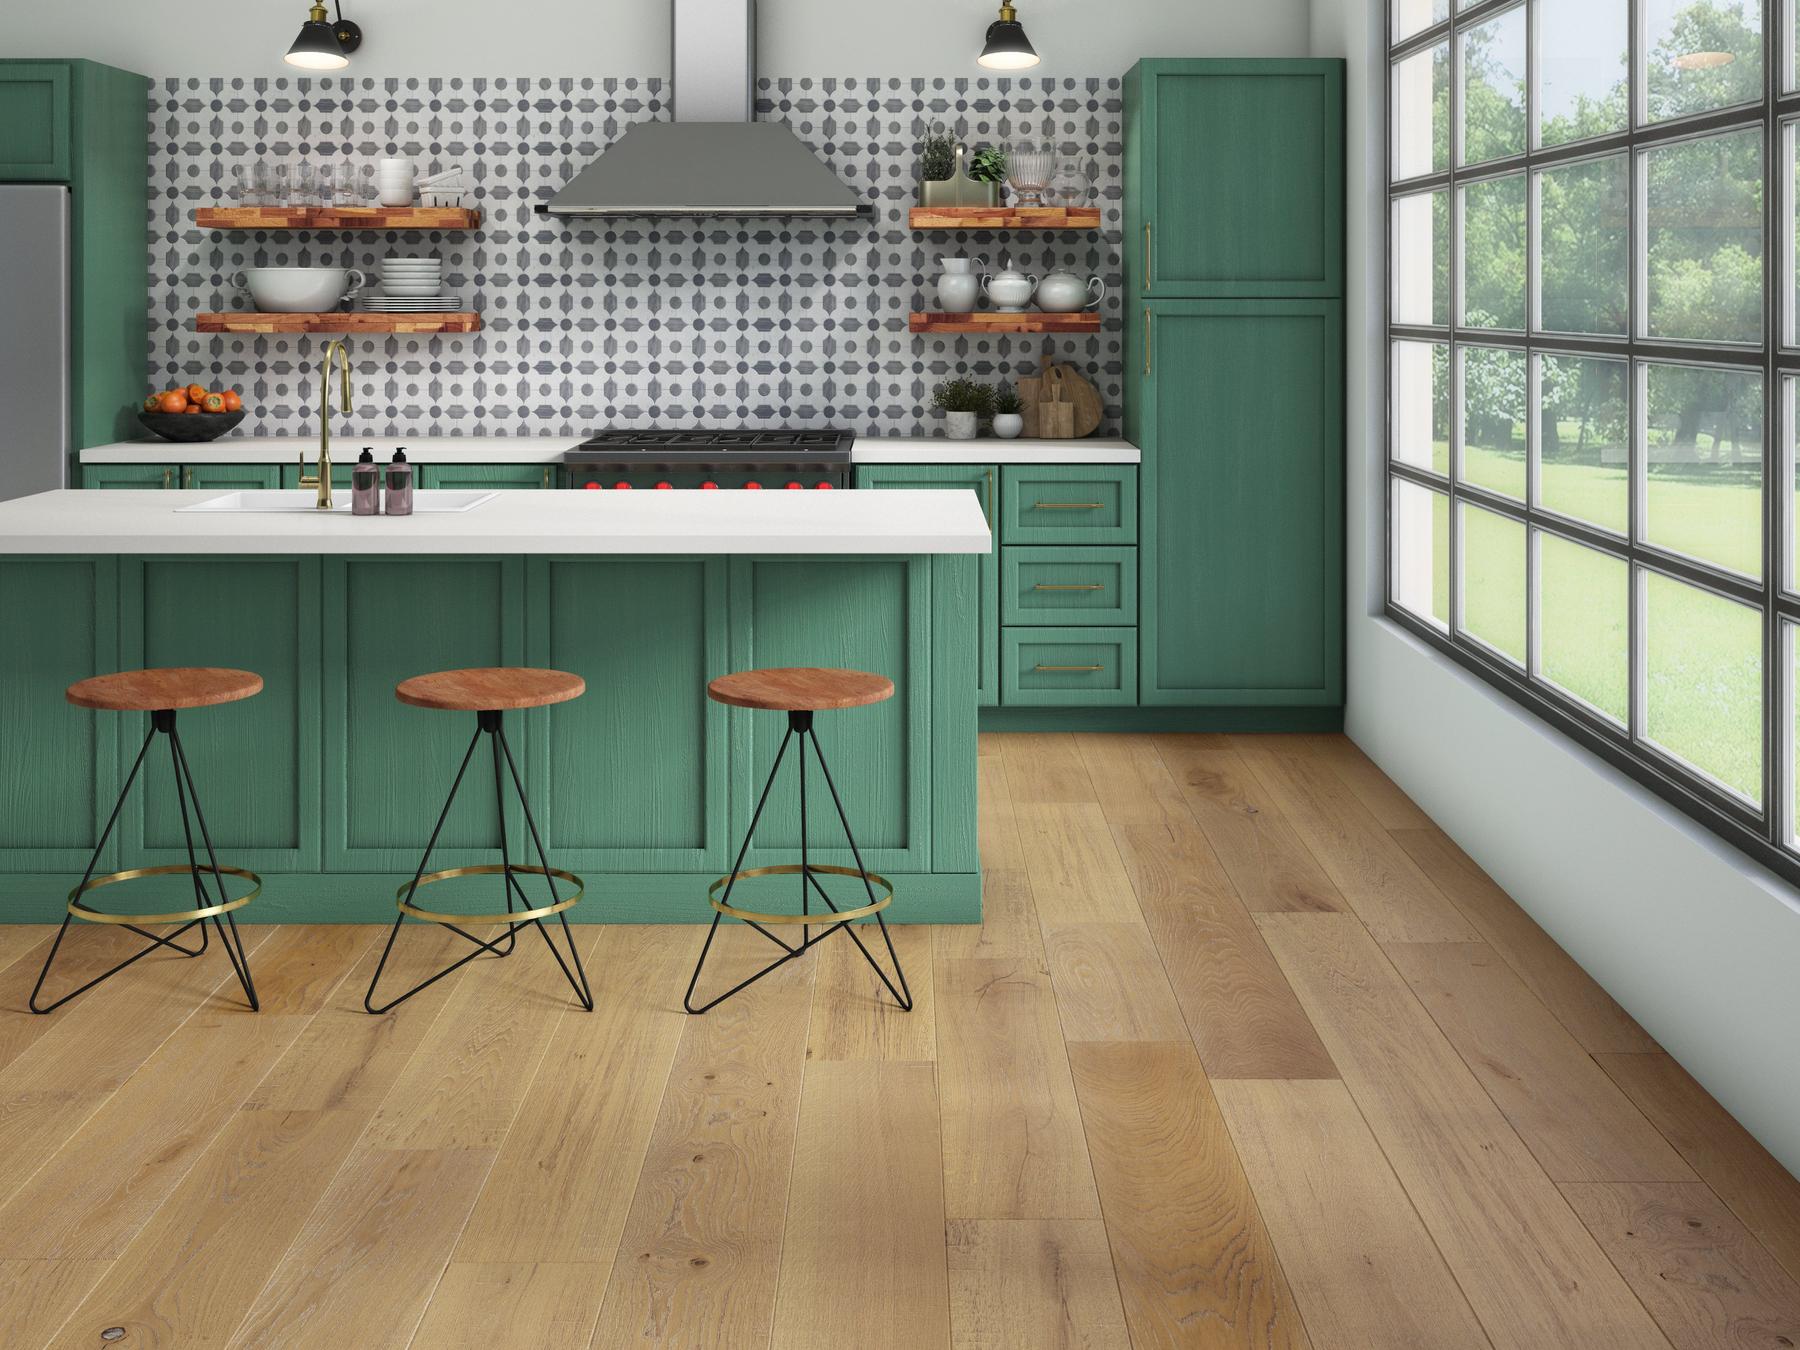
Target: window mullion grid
1775,769
1453,535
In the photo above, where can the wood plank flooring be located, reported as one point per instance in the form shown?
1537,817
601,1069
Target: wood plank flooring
1247,1053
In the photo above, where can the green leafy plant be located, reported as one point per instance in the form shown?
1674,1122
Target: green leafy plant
988,165
963,395
937,156
1007,400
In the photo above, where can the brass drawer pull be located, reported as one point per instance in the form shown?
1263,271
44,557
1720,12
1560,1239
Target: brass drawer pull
168,474
1147,272
547,472
1067,506
1079,668
1090,586
187,478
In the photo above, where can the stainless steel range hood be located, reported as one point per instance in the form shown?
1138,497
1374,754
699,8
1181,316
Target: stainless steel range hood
712,160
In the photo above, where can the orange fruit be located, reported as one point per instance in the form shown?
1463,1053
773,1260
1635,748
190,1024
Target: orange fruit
232,401
213,403
191,408
152,403
196,393
173,402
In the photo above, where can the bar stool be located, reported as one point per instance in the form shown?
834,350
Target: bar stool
161,693
488,692
800,692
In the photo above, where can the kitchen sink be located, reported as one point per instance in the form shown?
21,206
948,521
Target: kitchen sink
305,500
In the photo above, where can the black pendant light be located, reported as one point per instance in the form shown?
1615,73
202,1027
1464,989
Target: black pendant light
322,44
1007,46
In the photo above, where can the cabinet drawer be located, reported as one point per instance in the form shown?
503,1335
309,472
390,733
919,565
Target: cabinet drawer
1069,504
470,477
1069,667
1067,585
128,475
34,122
231,477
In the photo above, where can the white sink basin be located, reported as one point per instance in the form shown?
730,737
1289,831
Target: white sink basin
305,501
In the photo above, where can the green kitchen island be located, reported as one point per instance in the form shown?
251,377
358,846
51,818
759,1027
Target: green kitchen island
328,786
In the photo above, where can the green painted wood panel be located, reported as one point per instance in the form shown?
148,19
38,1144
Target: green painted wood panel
59,765
388,766
1069,504
472,476
1068,585
1070,667
951,727
1238,178
632,777
255,763
984,481
232,477
132,475
35,122
1241,422
862,614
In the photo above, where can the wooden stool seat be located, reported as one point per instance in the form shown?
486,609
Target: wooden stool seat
800,689
165,688
490,688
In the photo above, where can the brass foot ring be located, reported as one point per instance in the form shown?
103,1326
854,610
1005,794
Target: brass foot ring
820,920
490,870
81,911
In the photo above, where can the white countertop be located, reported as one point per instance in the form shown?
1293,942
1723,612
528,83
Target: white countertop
128,521
549,449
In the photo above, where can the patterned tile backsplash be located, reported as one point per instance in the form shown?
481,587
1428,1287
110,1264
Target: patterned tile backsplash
624,323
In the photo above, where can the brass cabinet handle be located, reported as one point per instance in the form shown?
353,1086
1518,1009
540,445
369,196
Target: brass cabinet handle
1089,586
1146,342
1146,257
1079,668
1067,506
546,475
168,477
187,477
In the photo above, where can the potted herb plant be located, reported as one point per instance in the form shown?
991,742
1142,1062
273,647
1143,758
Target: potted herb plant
964,403
948,177
1009,419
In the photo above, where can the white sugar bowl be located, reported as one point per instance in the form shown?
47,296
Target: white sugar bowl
1010,290
1065,293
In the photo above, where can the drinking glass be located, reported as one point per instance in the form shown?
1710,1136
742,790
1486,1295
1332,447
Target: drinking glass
347,184
1030,166
306,185
281,186
243,185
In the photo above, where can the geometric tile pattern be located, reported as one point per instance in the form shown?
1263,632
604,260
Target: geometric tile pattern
623,323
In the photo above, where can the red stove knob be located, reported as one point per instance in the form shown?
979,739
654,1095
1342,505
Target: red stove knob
795,487
621,486
592,486
665,487
709,486
821,487
753,487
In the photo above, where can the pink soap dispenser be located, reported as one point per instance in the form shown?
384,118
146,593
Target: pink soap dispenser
365,485
399,485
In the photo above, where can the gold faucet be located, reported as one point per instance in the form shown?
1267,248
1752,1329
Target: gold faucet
322,479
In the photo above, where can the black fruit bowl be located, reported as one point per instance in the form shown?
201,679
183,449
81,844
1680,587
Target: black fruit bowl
190,427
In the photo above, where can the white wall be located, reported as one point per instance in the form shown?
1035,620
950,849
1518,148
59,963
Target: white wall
631,37
1696,942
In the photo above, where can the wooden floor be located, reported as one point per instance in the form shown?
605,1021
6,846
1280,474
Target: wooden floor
1246,1054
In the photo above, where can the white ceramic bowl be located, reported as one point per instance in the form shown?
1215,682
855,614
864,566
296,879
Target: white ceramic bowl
298,290
410,290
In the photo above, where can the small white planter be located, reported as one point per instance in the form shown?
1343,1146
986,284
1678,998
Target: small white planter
961,425
1008,425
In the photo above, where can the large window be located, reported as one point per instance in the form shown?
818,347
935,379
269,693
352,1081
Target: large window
1594,357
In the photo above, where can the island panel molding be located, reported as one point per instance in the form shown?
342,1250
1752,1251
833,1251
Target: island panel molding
671,323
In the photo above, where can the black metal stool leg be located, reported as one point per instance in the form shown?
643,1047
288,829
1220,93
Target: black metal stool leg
507,884
578,981
232,940
800,724
156,940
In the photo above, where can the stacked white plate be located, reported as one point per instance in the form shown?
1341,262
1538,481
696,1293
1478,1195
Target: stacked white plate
411,285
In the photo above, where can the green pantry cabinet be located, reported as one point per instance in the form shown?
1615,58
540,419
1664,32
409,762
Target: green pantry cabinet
86,126
1234,380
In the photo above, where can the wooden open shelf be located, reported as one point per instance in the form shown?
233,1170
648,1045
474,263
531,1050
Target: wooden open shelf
336,218
246,321
1005,217
1087,321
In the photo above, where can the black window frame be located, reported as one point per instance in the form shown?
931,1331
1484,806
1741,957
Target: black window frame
1764,832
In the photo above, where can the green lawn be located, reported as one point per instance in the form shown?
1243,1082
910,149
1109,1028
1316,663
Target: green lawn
1704,692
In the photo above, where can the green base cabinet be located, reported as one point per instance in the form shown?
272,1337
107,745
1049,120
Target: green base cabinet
133,475
1070,667
477,477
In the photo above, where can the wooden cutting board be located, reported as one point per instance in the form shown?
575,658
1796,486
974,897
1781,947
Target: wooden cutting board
1089,410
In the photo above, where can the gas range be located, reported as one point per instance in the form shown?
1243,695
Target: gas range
708,460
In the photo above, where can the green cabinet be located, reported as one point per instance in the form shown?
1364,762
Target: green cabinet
83,124
1234,178
34,121
1242,422
1070,667
1069,504
473,477
984,481
290,474
1068,585
232,477
133,475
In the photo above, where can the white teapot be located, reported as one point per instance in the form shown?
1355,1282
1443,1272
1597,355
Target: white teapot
1010,290
1065,293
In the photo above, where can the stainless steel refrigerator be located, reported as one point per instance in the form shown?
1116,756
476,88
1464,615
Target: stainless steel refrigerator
34,339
